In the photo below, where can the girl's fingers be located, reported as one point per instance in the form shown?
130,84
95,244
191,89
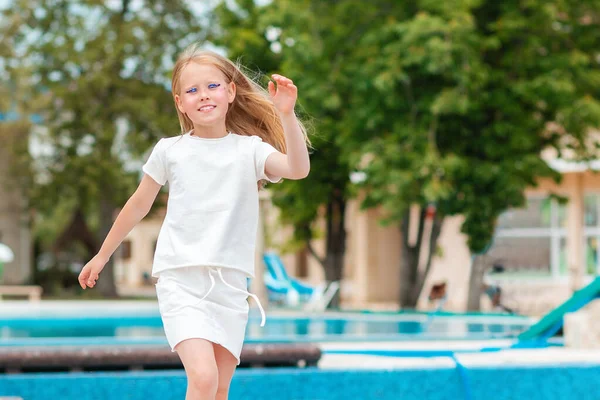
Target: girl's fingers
271,88
282,80
289,89
282,87
82,279
92,280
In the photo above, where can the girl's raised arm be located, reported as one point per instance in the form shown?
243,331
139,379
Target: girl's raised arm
296,163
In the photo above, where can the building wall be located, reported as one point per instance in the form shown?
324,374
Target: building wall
14,227
373,256
371,274
532,295
130,271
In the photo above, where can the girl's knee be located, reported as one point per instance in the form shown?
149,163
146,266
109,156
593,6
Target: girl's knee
204,379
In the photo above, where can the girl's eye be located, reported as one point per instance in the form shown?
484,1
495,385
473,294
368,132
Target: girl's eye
192,90
214,85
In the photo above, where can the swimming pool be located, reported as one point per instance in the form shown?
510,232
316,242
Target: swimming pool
139,323
435,356
574,382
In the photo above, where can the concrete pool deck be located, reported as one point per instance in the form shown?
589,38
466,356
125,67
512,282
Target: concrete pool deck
466,353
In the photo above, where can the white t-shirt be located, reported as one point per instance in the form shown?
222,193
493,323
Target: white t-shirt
212,211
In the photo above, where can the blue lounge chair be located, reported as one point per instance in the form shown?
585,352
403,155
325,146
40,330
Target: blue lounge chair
291,292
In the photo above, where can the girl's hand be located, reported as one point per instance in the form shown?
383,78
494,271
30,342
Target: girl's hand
91,270
284,95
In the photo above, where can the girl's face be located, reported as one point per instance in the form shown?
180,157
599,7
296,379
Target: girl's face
204,94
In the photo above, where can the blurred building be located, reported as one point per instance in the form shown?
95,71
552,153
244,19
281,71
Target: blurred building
547,248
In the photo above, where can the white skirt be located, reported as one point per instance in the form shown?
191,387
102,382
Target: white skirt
207,303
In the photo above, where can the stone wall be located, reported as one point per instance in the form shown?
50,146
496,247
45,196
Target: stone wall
530,297
582,328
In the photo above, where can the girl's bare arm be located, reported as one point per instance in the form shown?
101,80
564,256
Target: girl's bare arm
136,208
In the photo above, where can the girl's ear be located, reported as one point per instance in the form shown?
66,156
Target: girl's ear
231,92
179,105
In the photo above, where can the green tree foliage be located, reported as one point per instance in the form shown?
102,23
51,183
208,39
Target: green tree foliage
444,106
99,79
463,98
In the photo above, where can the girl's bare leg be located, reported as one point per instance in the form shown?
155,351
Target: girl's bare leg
226,365
198,358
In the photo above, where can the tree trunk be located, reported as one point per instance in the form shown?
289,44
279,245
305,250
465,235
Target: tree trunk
478,265
336,243
106,282
436,229
412,279
335,246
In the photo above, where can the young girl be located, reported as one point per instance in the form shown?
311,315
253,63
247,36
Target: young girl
234,136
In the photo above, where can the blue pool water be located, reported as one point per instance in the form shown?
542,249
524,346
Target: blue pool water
501,383
81,328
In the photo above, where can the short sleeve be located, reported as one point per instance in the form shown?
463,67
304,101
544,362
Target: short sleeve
155,166
262,150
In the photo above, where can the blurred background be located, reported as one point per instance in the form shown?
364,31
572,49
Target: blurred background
453,203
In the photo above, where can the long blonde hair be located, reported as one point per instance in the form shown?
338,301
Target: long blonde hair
252,111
